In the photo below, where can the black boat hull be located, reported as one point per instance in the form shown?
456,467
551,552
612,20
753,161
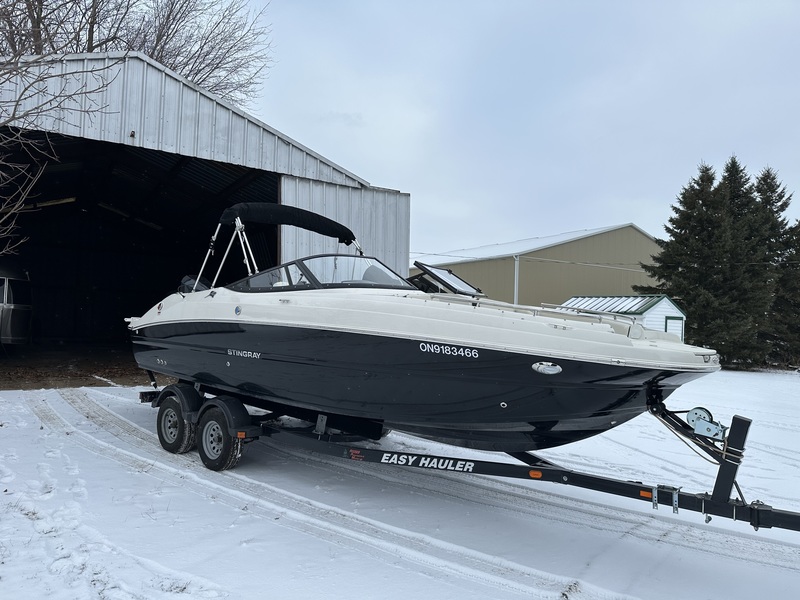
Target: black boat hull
466,396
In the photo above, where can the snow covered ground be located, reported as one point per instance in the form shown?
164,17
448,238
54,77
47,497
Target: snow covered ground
92,507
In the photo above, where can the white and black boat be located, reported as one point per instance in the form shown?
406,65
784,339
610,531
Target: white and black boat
344,337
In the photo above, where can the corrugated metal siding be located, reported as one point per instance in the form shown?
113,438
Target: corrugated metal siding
379,218
606,264
166,112
495,277
624,305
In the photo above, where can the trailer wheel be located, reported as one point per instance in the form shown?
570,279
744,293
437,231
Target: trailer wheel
174,433
218,449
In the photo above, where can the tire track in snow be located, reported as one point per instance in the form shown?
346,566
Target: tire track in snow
782,453
72,558
322,521
501,494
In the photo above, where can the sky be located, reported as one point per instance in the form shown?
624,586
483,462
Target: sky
514,119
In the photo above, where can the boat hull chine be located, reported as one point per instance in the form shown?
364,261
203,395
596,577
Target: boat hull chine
476,397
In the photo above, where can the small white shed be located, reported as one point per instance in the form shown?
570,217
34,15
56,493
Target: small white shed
651,311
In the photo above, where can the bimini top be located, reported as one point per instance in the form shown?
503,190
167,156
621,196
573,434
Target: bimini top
265,213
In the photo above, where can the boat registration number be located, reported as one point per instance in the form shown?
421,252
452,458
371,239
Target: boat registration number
448,350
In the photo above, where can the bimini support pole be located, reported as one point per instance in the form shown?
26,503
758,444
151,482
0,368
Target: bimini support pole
222,262
248,252
208,254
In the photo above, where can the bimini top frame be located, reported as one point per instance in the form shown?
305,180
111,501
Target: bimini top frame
263,213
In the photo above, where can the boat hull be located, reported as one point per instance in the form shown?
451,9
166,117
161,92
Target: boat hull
463,395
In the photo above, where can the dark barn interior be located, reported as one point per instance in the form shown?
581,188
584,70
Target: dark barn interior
112,229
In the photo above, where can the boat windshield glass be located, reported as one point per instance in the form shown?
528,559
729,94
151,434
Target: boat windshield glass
332,270
277,279
352,271
437,279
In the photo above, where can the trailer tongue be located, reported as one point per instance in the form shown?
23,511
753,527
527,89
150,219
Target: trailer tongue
225,425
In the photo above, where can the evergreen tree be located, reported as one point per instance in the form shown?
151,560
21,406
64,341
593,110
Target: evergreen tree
779,244
785,313
727,263
750,278
699,234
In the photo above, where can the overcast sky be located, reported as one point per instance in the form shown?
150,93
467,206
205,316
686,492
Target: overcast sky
510,119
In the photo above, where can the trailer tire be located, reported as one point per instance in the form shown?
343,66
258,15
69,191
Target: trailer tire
174,432
218,449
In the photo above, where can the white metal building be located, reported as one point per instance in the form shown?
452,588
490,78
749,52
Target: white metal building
145,163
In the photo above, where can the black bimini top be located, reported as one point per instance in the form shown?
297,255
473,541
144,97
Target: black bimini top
263,213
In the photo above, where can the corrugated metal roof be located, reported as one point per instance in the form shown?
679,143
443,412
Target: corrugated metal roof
517,247
623,305
140,103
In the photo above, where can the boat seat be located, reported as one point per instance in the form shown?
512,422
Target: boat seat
188,283
376,275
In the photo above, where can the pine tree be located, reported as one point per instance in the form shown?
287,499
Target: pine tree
774,201
785,312
750,280
699,235
727,263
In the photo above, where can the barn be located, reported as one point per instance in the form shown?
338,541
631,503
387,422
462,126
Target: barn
593,262
141,165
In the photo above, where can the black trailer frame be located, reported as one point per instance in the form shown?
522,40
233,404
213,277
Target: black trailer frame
724,445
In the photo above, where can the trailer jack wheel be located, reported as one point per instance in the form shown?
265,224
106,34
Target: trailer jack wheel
218,449
174,433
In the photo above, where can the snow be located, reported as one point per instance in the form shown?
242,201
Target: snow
92,507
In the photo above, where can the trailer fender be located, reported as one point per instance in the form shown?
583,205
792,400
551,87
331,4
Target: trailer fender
240,423
188,397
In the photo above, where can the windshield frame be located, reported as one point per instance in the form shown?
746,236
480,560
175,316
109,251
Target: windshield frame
303,274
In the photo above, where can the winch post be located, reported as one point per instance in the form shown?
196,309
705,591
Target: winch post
729,465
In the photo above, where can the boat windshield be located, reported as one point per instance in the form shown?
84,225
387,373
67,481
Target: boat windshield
352,271
440,280
328,270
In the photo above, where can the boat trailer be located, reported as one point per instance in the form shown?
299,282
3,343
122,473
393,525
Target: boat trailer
234,426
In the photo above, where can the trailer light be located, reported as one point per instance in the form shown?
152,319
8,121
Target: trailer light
241,435
646,494
535,474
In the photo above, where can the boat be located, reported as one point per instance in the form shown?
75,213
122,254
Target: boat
342,337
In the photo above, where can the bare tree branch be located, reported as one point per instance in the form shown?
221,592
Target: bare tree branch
19,180
36,91
219,45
